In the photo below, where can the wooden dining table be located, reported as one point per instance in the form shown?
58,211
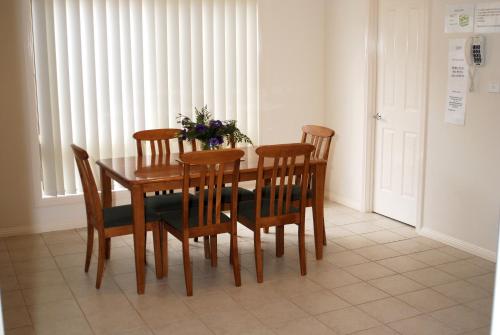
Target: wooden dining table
144,174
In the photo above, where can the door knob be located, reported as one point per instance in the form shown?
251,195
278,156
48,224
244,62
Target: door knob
377,116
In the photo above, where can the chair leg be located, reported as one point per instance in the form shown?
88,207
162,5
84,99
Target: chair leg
188,275
258,255
230,249
266,230
158,250
100,261
164,251
324,233
90,246
145,243
108,248
206,245
302,248
196,239
280,241
213,250
235,259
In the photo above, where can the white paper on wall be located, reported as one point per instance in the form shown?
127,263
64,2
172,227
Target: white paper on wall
459,18
487,18
458,70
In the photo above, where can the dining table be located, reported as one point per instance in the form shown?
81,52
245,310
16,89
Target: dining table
144,174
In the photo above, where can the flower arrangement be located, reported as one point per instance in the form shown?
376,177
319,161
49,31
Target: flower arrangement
211,133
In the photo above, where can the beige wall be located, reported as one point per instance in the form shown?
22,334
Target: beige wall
291,95
462,183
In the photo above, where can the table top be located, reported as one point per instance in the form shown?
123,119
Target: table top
150,169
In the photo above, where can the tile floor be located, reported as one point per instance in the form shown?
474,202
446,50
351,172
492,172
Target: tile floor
377,277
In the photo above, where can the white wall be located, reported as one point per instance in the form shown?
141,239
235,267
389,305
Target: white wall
462,182
292,63
346,97
291,95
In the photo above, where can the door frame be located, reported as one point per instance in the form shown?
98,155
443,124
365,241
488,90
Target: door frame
371,51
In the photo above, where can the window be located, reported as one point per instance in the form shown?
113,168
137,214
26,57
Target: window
105,69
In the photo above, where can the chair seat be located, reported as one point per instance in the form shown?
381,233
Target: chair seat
166,202
174,217
246,209
243,194
266,192
122,216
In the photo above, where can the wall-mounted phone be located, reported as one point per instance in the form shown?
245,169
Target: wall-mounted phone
475,53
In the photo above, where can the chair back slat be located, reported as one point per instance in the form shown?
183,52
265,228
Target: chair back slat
158,140
211,166
90,194
320,137
285,169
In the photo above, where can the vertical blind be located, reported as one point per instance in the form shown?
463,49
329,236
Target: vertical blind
107,68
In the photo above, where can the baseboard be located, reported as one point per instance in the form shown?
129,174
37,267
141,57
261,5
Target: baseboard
343,201
459,244
37,229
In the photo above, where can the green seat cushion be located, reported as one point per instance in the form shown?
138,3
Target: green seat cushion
243,194
122,216
174,217
266,192
246,209
166,202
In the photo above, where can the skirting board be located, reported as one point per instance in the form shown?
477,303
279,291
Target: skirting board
459,244
38,229
343,201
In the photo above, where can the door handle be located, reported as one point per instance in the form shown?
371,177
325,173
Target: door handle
377,116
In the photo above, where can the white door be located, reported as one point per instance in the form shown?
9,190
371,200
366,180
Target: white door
400,89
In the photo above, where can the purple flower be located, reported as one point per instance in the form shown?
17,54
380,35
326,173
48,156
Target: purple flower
220,139
200,128
215,123
213,142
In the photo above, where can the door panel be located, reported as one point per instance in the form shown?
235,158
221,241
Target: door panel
400,66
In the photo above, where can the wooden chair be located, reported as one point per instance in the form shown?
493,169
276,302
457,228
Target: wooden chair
109,222
321,138
158,140
290,161
205,219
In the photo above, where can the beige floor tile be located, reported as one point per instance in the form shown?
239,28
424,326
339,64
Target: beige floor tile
160,315
34,265
27,330
461,291
336,232
480,331
430,277
483,306
354,242
137,331
46,294
48,313
333,278
192,326
319,302
430,242
456,252
402,264
217,301
463,269
236,321
24,242
64,236
377,252
359,293
296,285
16,317
389,310
40,279
484,263
433,257
409,246
348,320
72,326
363,227
406,231
67,247
4,257
486,282
25,254
381,330
277,314
12,299
114,320
427,300
461,318
422,324
345,258
73,260
384,236
369,271
8,282
253,296
340,219
304,326
396,284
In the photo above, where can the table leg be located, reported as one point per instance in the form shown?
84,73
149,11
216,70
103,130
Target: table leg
139,238
319,198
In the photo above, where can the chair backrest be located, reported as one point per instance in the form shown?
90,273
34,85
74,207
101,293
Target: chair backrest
289,162
210,165
159,140
92,201
320,137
